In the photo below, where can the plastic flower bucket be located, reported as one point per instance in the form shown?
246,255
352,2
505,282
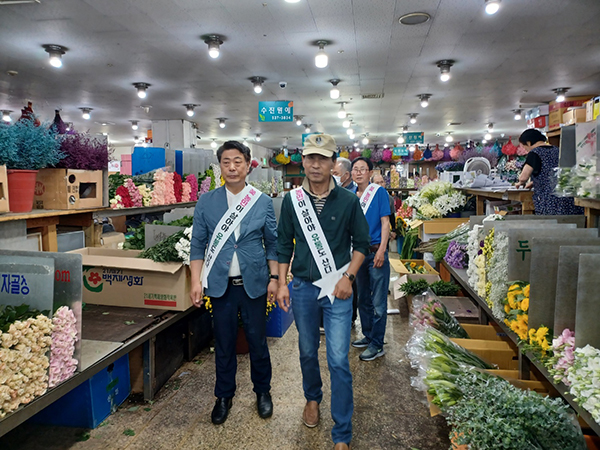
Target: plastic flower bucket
21,186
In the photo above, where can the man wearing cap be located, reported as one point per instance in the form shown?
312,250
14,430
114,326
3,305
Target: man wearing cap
331,240
373,278
233,248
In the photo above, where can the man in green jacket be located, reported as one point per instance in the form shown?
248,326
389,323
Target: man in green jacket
332,239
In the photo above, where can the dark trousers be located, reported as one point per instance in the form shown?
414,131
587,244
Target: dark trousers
225,316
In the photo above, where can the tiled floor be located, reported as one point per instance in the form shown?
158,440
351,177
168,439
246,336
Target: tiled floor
389,413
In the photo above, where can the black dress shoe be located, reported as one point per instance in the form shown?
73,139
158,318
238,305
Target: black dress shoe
220,411
264,404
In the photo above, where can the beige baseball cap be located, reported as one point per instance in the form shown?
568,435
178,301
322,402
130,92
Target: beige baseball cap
319,144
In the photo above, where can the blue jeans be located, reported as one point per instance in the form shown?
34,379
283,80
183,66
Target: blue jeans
337,319
373,284
254,317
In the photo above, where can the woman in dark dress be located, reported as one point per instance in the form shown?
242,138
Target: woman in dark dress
540,164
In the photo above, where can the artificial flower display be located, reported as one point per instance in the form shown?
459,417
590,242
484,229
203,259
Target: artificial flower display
64,336
509,149
344,154
456,151
386,156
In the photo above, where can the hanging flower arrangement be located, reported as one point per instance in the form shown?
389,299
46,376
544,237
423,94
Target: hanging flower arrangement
354,154
418,154
497,148
387,155
427,153
282,159
296,158
377,156
509,149
521,151
456,152
437,154
447,156
344,154
367,152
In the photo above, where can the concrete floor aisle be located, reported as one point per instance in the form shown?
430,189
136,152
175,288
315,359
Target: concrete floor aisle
389,413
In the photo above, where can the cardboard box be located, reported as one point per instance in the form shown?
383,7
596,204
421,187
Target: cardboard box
574,116
462,308
158,233
68,189
484,332
119,278
494,352
512,376
3,190
557,110
540,122
399,266
537,112
441,226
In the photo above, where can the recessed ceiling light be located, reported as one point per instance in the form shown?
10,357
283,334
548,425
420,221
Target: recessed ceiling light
415,18
134,125
424,100
257,137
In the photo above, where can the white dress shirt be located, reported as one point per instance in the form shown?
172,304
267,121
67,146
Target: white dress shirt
234,267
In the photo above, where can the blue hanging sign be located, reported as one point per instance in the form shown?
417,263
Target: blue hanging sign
277,111
400,151
414,138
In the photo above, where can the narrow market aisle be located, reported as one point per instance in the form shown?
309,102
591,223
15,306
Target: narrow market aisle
389,413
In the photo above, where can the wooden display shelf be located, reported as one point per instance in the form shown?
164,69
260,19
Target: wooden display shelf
592,211
525,196
526,359
46,221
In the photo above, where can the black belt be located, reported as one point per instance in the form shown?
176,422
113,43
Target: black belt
374,248
236,281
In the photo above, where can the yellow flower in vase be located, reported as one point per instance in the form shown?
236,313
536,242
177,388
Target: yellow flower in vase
541,333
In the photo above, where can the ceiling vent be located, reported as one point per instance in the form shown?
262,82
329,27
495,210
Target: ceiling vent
372,96
454,124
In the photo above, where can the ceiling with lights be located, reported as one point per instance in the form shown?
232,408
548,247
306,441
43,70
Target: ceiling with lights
373,65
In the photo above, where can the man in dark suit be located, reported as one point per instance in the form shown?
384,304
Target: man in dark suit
234,261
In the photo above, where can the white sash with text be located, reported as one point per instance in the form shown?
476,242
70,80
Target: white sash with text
367,197
226,226
317,243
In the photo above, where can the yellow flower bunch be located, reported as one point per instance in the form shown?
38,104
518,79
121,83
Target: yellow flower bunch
344,154
488,242
516,306
540,339
282,159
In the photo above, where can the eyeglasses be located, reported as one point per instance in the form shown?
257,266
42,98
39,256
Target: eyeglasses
355,170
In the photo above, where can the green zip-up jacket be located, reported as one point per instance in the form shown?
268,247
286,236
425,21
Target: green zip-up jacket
344,226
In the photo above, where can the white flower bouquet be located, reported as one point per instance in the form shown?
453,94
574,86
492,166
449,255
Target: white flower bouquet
584,377
436,199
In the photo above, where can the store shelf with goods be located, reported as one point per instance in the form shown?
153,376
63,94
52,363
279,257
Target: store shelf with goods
526,359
